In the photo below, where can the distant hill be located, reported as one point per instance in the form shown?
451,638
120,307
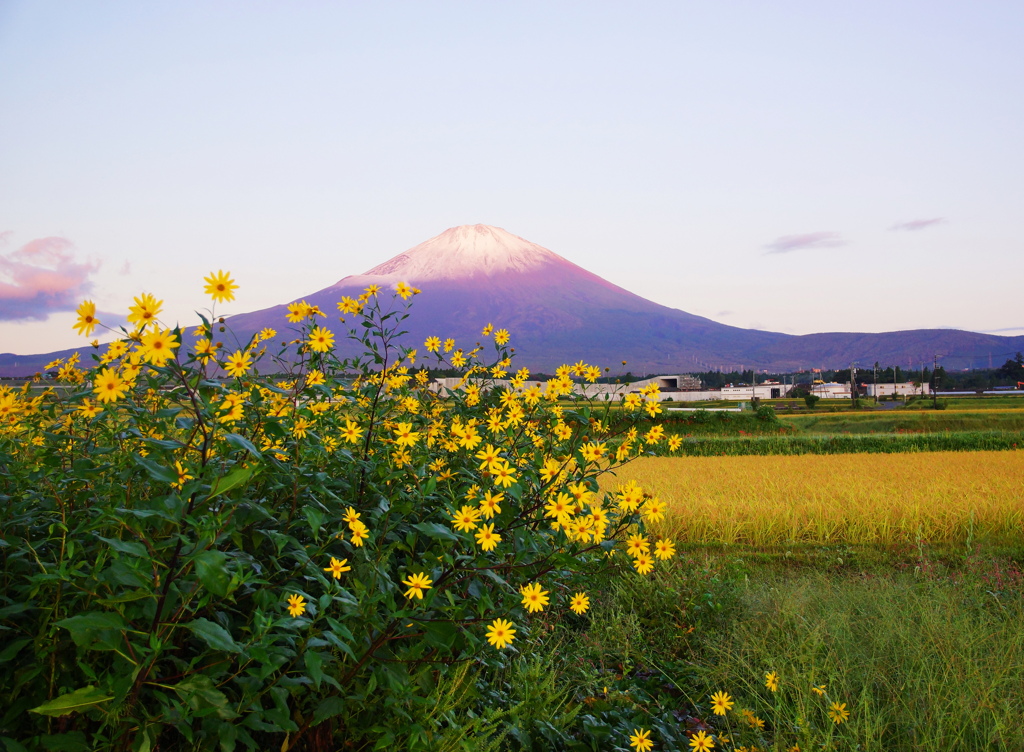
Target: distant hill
557,311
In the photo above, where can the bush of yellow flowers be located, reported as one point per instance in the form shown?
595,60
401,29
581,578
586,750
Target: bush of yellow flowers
212,543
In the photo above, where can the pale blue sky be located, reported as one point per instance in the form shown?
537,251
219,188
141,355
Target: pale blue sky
743,161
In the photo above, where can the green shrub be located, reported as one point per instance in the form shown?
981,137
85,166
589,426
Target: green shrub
192,561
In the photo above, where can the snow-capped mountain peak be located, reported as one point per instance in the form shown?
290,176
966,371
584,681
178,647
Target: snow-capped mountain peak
461,253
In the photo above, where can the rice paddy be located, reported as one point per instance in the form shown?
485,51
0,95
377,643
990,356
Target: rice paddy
856,498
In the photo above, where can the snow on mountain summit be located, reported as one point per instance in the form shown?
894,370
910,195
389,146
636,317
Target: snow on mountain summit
460,253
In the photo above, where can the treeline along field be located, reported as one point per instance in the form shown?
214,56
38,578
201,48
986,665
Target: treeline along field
854,498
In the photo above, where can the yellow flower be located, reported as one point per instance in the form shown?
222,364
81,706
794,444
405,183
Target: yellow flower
238,363
771,680
534,598
674,442
87,409
220,287
321,339
465,519
636,545
296,605
654,510
158,346
489,504
579,603
349,305
108,386
656,434
145,310
592,451
701,742
487,538
449,344
838,712
351,432
359,533
664,549
432,344
404,435
487,456
183,476
405,291
300,428
643,563
721,703
818,689
204,349
297,312
337,567
501,337
500,633
417,584
640,740
487,330
87,320
502,474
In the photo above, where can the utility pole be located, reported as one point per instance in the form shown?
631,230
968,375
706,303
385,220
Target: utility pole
874,381
935,397
853,384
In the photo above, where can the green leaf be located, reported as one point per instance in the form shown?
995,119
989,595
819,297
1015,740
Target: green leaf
13,649
132,548
12,746
214,635
233,479
128,597
80,699
240,442
328,708
211,569
15,608
200,694
433,530
156,470
442,634
314,666
315,518
91,621
73,741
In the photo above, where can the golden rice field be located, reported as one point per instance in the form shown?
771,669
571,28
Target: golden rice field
852,498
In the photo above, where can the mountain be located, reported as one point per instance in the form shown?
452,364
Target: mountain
558,312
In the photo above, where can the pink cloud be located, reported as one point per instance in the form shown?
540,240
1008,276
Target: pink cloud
917,224
42,277
788,243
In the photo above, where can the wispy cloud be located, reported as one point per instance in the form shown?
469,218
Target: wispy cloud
1004,329
43,277
809,240
5,236
917,224
725,313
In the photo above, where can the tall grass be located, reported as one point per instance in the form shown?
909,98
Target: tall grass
860,498
921,665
